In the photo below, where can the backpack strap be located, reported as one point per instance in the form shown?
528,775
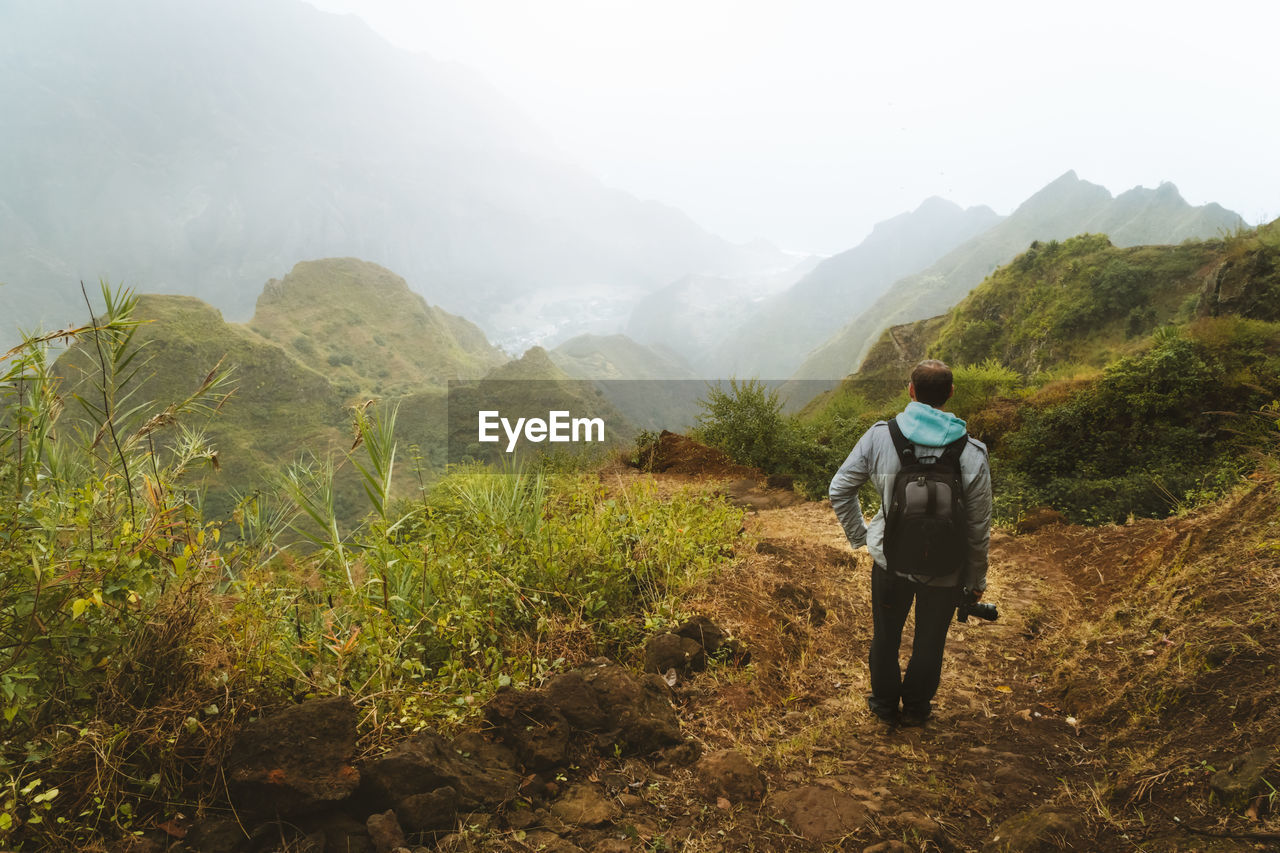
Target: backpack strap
951,455
906,453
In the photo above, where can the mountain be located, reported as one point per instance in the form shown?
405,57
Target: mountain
330,334
279,407
527,388
1087,303
535,365
362,326
696,314
617,357
1106,381
652,387
185,146
842,285
1066,207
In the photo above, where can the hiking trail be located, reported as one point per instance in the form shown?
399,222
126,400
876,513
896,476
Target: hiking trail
1032,746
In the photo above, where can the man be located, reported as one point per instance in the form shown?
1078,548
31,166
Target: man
928,431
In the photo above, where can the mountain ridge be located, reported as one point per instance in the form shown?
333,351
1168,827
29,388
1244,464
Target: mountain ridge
617,357
1063,208
810,310
293,390
361,322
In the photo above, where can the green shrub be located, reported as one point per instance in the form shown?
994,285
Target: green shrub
746,422
106,576
748,425
455,595
645,452
135,634
1155,430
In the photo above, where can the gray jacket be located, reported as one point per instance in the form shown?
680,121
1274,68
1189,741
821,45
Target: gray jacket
874,458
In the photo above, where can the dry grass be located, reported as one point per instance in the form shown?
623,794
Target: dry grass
171,701
1127,661
1171,666
1058,703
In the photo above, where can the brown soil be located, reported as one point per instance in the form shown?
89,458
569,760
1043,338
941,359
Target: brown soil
1021,742
679,461
1128,665
997,745
680,455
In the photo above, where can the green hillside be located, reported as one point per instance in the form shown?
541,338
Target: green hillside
535,365
155,657
279,406
361,325
1086,302
653,387
1106,381
330,335
1066,207
1082,300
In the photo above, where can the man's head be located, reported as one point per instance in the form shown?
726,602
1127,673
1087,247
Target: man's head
931,383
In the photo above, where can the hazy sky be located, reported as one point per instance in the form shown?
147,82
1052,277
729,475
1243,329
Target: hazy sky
807,121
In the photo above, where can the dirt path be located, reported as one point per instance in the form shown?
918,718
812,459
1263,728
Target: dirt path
1022,753
1031,747
998,745
1125,665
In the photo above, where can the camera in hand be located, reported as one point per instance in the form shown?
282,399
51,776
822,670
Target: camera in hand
971,606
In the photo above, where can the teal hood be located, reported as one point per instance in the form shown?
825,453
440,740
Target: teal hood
931,427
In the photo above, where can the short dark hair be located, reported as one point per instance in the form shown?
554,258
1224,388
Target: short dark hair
932,380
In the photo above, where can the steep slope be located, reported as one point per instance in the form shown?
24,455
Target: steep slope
535,365
1064,208
1107,382
362,326
1086,302
329,335
278,409
775,340
652,387
189,147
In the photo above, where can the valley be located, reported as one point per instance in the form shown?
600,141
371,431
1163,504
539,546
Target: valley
388,466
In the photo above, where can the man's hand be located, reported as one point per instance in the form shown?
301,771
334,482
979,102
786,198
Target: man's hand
977,595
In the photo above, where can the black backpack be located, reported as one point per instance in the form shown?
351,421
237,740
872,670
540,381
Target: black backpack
925,533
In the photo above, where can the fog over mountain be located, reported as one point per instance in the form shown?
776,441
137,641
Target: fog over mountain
200,148
1064,208
693,316
182,146
618,357
807,122
844,284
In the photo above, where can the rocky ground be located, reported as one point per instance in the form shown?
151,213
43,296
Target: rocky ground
750,731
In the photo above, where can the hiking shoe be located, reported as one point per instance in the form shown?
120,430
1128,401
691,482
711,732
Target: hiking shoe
883,711
887,717
909,718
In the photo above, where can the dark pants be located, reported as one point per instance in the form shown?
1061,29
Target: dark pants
891,598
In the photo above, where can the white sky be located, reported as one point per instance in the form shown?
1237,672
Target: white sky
807,121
